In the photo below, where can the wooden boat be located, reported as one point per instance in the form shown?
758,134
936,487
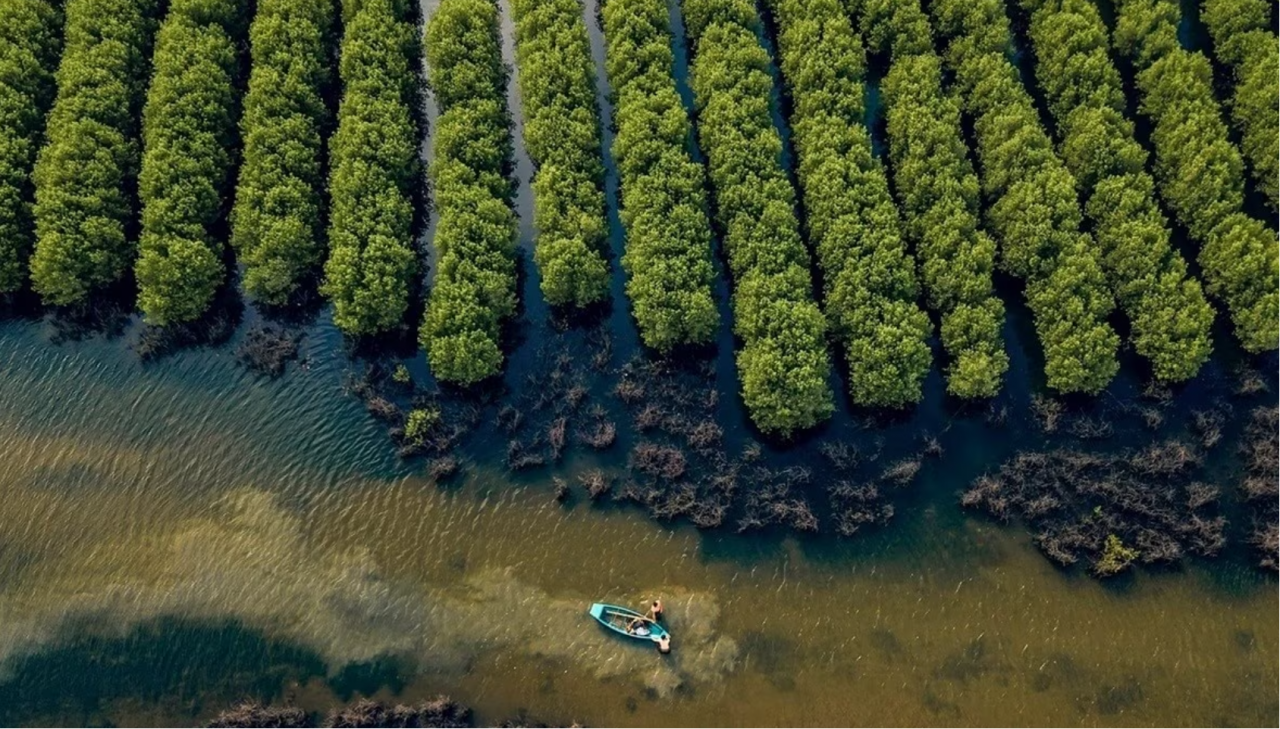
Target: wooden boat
618,618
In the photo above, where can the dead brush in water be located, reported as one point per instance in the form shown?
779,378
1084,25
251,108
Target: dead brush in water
902,472
556,437
1075,502
856,505
1249,382
660,461
842,455
267,349
440,712
705,436
601,436
521,456
776,497
1208,425
443,468
595,482
1261,451
1047,411
253,714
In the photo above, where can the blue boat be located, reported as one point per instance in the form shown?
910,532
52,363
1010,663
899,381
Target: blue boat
628,622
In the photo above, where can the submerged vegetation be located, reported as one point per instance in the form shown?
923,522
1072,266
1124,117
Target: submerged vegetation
476,229
439,712
1261,485
1102,509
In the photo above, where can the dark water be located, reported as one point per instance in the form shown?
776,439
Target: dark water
178,534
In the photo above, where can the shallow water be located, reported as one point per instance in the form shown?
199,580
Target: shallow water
179,534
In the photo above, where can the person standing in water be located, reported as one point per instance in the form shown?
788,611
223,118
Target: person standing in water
655,611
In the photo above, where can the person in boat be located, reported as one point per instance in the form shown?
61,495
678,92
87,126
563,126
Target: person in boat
637,627
655,611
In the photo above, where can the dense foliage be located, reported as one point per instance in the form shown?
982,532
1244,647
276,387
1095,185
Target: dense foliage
1200,172
1033,212
1244,39
938,190
869,278
30,41
373,157
83,211
1166,307
668,248
783,362
276,225
562,134
475,287
188,137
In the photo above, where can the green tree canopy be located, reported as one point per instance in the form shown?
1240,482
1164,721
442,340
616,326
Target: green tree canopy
83,211
783,362
1033,210
1199,172
476,231
869,278
668,248
562,134
189,139
30,42
276,225
373,158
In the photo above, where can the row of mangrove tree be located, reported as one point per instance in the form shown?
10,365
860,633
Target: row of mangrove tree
30,42
1167,310
475,286
373,156
84,211
938,191
562,133
783,364
277,225
870,288
663,190
1244,38
189,140
1033,208
1199,170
